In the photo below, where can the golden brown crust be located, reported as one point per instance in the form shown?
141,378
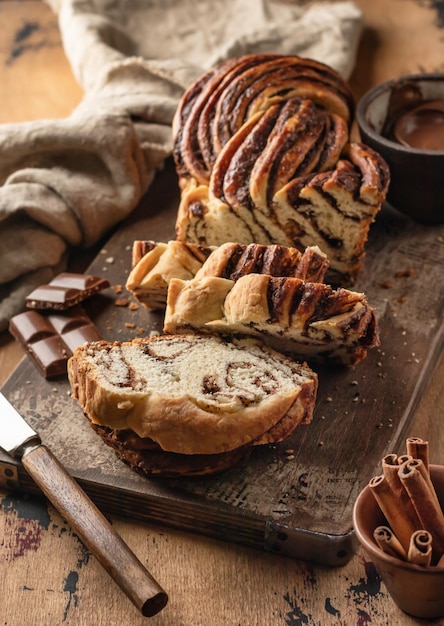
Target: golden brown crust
154,263
148,458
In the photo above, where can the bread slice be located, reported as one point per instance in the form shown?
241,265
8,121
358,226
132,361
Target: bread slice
312,321
146,457
191,394
155,263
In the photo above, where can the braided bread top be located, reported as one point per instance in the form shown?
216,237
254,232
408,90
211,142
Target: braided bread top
286,95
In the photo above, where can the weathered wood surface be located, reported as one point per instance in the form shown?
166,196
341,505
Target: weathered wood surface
362,412
49,578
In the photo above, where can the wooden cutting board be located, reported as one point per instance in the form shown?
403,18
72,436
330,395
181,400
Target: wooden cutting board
295,498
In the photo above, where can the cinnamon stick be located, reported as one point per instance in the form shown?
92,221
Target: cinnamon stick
402,458
390,460
420,548
418,449
425,503
399,523
419,464
390,470
389,542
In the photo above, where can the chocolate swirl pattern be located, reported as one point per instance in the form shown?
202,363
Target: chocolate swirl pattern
233,260
263,154
193,394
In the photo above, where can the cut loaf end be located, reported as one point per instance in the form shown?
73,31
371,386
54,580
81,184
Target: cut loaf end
191,394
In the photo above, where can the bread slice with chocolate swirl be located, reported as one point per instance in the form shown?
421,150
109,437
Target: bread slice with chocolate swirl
155,263
263,154
190,396
312,321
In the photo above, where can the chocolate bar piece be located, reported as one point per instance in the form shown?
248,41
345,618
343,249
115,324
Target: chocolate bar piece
50,339
65,291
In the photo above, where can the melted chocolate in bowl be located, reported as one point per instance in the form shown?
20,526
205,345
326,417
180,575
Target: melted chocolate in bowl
422,127
403,120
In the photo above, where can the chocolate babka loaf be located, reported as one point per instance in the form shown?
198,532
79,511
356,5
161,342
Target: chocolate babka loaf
263,154
190,395
155,263
307,320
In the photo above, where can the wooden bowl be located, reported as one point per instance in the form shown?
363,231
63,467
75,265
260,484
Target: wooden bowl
416,589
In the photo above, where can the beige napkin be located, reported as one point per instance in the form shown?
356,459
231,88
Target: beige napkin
65,183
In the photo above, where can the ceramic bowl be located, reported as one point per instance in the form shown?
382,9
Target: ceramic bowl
417,174
416,589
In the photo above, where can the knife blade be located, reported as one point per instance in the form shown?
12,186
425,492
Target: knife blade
18,439
15,432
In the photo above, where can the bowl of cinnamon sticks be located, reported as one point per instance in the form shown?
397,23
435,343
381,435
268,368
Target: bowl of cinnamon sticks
398,519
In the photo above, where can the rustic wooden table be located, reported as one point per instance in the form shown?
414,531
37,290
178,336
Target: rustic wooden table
48,577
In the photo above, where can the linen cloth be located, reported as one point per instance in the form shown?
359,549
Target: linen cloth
65,183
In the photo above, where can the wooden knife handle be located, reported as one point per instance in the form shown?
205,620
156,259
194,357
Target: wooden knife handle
94,530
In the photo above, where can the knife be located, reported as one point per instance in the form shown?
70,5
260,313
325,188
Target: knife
18,439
